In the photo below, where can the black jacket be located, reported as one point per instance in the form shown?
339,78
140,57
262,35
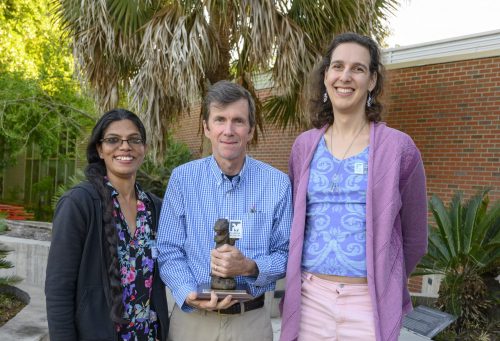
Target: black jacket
77,285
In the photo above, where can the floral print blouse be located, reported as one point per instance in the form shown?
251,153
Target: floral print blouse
135,254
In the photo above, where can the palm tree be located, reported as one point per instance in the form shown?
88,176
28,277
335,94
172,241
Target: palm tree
166,52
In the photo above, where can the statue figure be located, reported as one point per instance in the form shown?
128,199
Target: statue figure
221,229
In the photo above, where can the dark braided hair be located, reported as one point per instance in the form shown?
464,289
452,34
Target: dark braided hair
322,112
95,172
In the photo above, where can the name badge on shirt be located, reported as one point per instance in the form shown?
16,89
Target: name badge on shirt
154,250
235,229
359,168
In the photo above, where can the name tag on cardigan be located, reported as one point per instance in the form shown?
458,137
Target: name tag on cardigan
359,168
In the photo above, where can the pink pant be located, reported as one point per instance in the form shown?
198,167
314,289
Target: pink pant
335,311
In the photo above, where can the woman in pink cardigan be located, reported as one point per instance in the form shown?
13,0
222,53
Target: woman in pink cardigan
360,207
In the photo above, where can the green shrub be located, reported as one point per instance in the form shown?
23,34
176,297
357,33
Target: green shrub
464,247
4,251
73,180
154,176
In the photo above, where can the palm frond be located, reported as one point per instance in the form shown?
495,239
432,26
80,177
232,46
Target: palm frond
284,111
10,280
128,16
165,53
455,213
295,56
472,223
489,226
259,31
472,218
176,56
443,222
440,242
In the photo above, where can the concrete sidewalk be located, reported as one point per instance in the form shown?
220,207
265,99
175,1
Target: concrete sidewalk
276,328
30,324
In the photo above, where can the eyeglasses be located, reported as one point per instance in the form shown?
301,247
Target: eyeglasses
114,141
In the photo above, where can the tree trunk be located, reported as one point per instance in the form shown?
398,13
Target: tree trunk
222,29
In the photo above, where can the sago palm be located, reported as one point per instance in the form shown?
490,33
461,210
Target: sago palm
464,247
166,52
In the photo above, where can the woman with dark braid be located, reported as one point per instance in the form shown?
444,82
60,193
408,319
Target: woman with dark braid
102,275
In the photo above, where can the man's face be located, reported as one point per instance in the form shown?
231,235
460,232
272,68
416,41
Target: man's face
228,129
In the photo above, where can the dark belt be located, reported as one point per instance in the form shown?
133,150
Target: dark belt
256,303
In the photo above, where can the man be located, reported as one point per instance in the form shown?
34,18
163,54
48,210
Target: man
250,194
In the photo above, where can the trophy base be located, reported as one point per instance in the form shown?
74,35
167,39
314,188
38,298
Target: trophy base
239,293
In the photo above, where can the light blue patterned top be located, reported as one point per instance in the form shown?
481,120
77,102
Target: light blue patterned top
198,194
335,235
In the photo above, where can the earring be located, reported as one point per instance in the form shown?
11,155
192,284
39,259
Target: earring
369,100
325,97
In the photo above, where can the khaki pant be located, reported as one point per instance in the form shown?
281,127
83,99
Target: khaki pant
209,326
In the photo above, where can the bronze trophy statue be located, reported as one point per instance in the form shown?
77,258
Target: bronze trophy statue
223,286
221,229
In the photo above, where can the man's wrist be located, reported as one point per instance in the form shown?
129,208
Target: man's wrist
252,268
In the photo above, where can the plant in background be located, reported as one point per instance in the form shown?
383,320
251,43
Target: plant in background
10,304
464,248
154,177
73,180
5,264
39,96
44,112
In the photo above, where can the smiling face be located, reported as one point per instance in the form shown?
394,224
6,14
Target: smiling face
348,78
122,159
228,129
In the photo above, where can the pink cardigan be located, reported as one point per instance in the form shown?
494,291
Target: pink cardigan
396,226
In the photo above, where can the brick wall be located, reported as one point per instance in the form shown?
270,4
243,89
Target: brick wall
452,111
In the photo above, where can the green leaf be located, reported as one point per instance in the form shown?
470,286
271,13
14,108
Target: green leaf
444,224
436,240
455,214
282,110
472,217
10,280
489,227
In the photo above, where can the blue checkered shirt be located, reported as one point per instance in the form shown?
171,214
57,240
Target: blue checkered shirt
197,195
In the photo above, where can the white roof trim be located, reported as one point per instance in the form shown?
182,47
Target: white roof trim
479,45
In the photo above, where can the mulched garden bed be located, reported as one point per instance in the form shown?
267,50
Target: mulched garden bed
10,305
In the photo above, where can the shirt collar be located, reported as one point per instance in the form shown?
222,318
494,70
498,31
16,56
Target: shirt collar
141,195
219,174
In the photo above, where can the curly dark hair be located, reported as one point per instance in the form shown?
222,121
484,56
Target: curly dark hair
95,172
322,112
